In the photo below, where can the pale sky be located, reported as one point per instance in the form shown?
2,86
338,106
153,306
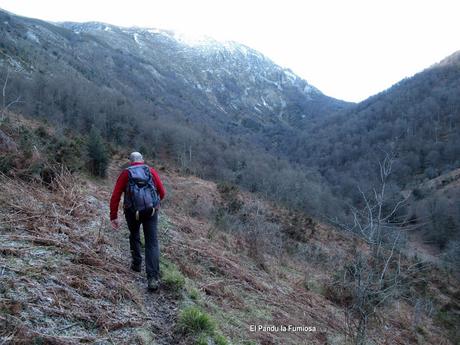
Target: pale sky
349,49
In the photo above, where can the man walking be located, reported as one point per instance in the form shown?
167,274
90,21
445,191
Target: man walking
143,192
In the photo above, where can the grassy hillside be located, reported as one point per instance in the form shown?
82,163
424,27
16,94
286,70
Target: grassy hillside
229,260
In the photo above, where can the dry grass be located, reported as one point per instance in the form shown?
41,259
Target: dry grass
63,281
293,287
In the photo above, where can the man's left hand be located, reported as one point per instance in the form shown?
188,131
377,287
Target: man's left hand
115,223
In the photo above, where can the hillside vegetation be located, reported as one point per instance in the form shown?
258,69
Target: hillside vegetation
285,206
229,260
418,119
417,122
227,113
216,109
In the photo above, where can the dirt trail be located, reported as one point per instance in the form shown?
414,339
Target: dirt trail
161,306
65,276
162,310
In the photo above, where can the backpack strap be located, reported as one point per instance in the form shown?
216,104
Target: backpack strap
140,165
136,166
153,212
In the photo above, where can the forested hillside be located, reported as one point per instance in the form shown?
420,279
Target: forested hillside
417,122
216,109
225,112
230,260
417,119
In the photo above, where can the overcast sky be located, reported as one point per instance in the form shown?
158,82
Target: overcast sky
349,49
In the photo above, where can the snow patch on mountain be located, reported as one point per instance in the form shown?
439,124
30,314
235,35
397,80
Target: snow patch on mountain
31,36
308,89
154,31
136,38
291,76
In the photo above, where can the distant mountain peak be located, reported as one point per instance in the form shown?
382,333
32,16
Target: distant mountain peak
208,48
190,75
451,60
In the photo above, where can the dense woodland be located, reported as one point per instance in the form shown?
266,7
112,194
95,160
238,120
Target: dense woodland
417,119
418,122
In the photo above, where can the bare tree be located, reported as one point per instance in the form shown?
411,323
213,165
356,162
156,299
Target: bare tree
374,277
6,105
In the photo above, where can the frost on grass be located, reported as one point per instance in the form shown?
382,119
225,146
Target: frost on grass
61,281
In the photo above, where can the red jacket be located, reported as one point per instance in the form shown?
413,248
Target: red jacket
120,187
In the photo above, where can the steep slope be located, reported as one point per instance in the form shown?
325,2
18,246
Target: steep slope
71,284
416,122
435,206
219,109
226,77
221,83
418,119
246,261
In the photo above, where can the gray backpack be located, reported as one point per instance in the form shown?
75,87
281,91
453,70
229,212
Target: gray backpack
141,195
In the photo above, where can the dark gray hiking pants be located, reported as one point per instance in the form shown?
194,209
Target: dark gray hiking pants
152,249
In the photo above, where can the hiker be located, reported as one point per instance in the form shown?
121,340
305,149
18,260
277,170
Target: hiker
143,192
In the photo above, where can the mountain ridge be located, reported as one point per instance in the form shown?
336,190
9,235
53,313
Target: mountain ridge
164,65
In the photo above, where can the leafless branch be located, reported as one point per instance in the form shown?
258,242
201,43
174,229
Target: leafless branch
6,106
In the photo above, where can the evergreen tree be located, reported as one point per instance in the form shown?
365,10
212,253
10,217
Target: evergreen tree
98,158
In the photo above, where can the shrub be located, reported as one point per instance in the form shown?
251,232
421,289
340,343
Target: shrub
451,256
315,286
220,339
193,320
200,207
98,158
171,277
418,193
6,164
229,194
194,294
449,320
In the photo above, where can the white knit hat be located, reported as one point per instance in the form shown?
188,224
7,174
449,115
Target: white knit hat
136,157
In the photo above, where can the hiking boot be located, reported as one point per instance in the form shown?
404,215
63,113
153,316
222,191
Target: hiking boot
136,268
153,284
